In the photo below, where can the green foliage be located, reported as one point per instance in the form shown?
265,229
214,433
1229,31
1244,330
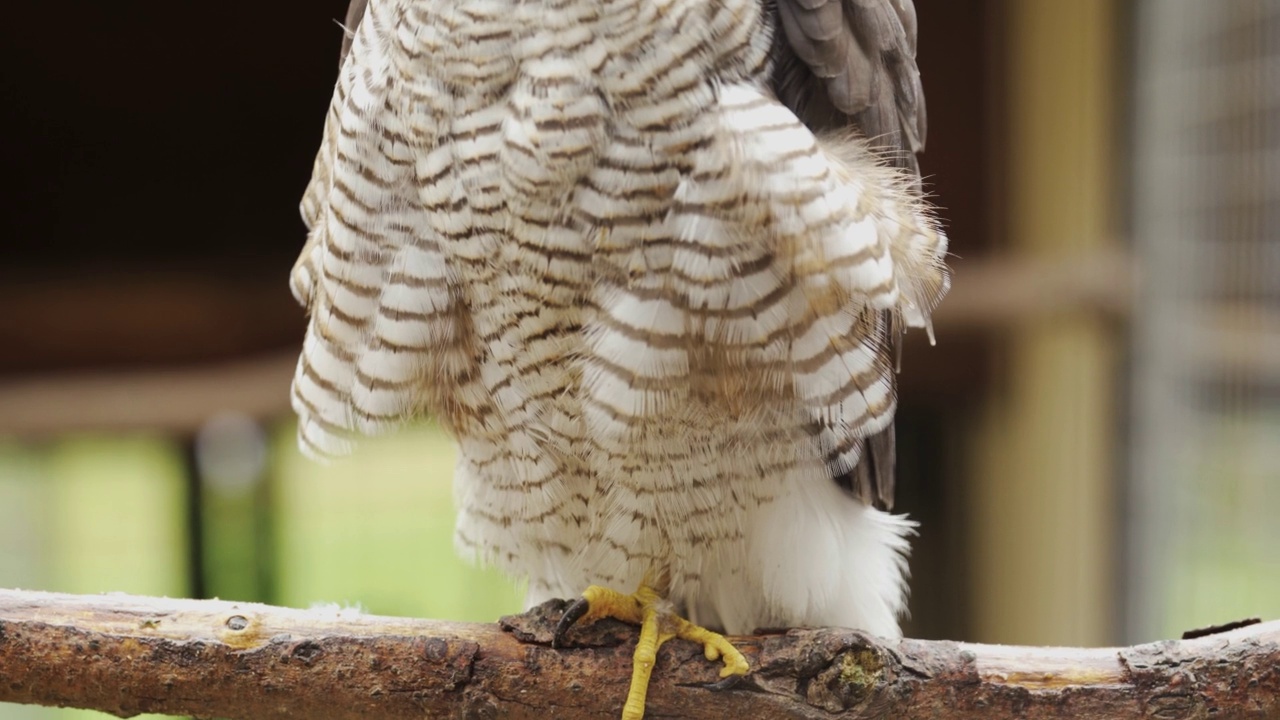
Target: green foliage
376,529
101,514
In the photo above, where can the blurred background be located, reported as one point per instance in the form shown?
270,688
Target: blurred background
1093,447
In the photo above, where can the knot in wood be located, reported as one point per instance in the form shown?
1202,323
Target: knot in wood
436,650
307,652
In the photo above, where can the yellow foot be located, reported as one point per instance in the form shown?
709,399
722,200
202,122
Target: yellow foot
658,623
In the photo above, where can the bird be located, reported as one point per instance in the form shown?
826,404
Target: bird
649,262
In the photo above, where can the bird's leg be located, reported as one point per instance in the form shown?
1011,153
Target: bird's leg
658,623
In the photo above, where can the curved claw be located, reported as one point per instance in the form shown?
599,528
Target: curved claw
727,683
572,614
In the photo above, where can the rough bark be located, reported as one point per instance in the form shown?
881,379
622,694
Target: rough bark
207,658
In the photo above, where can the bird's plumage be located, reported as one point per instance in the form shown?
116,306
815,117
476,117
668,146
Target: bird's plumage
656,311
843,62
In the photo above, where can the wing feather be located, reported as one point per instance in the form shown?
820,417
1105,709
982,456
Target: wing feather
842,63
853,62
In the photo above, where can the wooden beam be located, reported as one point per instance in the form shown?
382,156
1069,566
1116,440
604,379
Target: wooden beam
988,296
1006,293
127,320
1235,339
171,400
1041,503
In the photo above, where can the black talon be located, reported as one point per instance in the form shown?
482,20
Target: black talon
725,684
572,614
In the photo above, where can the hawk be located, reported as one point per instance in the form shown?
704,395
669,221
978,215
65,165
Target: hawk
649,263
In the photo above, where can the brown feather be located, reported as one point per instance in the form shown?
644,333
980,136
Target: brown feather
877,91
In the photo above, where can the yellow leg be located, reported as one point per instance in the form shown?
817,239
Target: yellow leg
658,624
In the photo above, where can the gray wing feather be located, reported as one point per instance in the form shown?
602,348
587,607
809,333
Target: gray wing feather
842,63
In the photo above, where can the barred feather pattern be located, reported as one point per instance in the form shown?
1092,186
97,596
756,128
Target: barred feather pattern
645,299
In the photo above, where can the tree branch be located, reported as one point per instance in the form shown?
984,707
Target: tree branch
208,658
